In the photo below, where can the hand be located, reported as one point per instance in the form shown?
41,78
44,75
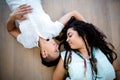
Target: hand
19,13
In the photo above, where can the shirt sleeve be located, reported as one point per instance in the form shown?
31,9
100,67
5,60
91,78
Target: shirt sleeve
63,55
28,41
13,4
57,28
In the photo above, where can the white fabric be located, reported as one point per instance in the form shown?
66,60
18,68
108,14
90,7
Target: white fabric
105,68
76,67
37,24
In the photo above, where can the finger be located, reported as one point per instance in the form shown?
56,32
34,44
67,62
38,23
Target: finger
24,12
25,9
29,9
23,18
24,6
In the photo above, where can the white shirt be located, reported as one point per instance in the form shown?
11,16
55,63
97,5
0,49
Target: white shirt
76,67
37,25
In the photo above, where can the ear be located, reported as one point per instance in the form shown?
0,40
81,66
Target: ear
44,54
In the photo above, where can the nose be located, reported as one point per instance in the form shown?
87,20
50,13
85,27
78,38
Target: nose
67,39
51,40
54,42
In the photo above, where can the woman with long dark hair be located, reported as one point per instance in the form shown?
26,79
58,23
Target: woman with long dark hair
87,54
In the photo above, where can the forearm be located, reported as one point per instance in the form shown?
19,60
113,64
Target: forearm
78,16
67,17
117,75
17,14
117,69
60,71
11,23
11,27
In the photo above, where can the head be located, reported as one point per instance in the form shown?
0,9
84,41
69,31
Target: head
49,52
75,40
76,35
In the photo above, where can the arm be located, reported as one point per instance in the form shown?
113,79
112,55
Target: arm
117,69
59,72
18,14
11,27
67,17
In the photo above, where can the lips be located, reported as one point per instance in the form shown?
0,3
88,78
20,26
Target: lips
69,43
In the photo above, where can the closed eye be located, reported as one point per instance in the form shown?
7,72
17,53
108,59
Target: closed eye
69,34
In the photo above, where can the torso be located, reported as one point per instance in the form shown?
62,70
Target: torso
76,67
38,24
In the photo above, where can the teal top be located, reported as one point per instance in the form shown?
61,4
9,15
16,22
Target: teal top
76,67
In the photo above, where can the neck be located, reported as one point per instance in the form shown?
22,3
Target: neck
41,41
84,52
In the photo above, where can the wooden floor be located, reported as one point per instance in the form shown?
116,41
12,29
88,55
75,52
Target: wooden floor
18,63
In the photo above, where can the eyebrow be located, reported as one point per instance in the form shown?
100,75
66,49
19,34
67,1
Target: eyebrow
69,33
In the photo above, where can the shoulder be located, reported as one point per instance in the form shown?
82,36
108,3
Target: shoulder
62,53
101,57
28,40
73,55
98,53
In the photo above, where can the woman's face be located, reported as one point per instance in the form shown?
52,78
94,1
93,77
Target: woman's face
74,40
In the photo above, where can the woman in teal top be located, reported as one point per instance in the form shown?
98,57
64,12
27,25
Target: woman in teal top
87,55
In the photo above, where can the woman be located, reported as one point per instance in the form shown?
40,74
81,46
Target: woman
87,55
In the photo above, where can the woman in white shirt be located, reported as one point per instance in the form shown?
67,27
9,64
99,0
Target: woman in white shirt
86,56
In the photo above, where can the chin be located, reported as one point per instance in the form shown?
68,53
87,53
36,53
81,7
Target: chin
73,47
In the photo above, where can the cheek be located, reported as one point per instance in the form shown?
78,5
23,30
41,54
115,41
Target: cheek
50,48
76,42
74,39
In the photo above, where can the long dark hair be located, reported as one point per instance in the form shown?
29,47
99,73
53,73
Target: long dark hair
91,36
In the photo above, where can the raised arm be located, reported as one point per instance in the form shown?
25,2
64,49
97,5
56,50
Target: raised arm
18,14
67,17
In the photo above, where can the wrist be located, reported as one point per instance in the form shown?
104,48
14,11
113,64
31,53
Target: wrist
12,17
